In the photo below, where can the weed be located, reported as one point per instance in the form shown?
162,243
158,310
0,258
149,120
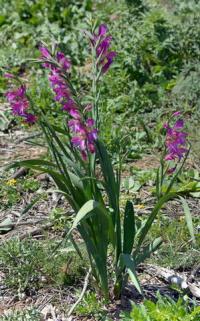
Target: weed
59,218
11,191
91,305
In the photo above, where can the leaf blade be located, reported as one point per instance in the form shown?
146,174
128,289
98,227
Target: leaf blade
188,218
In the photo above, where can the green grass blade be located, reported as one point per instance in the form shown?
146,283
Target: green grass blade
145,229
30,163
188,218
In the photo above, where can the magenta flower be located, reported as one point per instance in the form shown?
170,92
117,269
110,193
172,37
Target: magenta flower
15,95
104,45
79,141
175,140
102,42
86,135
63,61
177,113
9,76
30,118
45,52
82,128
20,104
90,122
108,60
75,125
102,30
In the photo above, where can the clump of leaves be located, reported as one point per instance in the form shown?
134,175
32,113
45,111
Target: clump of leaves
165,309
90,305
59,218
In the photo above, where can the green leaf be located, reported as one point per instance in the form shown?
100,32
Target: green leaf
128,261
59,130
87,208
112,188
148,250
188,217
146,227
31,163
108,173
129,228
76,181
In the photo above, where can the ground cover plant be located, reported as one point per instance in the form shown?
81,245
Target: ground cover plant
109,158
163,309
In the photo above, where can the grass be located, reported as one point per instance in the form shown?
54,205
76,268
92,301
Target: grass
29,265
176,252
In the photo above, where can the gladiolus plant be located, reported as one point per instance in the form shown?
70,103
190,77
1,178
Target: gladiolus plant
83,171
175,153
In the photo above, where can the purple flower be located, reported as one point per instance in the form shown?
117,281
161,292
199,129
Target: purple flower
85,136
177,113
75,125
175,140
90,122
74,113
19,107
102,30
101,41
92,135
14,95
171,170
19,103
83,130
179,124
30,118
69,104
104,45
109,60
79,142
63,61
8,75
91,148
55,79
45,52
